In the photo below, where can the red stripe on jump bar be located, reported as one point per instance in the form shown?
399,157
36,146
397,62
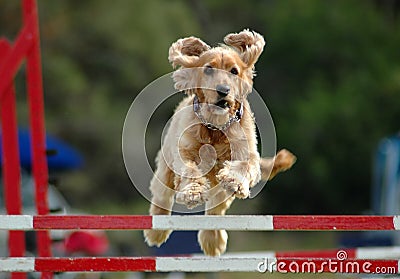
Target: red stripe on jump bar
113,222
94,264
318,222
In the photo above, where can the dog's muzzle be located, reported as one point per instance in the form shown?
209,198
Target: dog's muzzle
236,118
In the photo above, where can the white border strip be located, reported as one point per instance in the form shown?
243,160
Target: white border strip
211,264
17,264
16,222
396,222
210,222
398,267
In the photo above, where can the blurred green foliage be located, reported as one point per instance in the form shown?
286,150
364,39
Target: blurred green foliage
330,75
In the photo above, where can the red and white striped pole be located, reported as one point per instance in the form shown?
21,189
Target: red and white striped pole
197,222
202,264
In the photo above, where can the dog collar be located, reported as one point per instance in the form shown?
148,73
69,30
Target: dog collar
236,118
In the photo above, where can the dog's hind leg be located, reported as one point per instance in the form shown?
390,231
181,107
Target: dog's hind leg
270,167
213,242
161,187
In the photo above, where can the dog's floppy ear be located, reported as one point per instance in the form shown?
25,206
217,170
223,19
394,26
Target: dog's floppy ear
185,52
248,43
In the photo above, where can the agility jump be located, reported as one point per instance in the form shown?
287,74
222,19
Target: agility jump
361,260
27,47
186,222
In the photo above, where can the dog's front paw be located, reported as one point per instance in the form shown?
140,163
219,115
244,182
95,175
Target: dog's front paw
156,237
233,182
192,195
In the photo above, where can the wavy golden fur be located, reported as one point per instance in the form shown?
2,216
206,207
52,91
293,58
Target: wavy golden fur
209,154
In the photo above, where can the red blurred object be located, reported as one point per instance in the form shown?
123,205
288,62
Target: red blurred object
91,243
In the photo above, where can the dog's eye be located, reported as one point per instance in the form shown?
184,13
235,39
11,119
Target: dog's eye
208,70
234,71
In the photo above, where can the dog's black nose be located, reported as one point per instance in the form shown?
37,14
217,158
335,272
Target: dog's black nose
222,90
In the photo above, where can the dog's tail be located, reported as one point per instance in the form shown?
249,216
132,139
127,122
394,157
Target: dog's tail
270,167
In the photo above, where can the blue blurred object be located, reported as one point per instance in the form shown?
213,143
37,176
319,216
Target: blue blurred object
385,195
61,155
179,242
386,177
